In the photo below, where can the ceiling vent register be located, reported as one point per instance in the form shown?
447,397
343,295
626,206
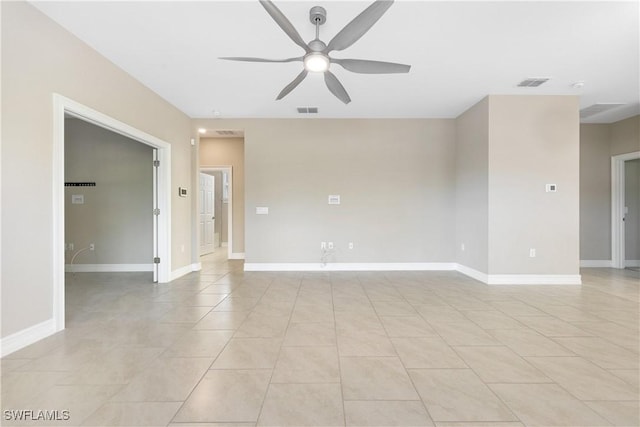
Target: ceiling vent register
226,132
598,108
532,82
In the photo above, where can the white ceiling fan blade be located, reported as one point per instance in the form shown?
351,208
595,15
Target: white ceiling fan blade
291,86
250,59
336,88
364,66
355,29
284,23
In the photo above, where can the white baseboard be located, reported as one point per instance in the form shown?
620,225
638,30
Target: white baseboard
474,274
490,279
106,268
520,279
632,263
182,271
534,279
386,266
596,263
236,255
25,337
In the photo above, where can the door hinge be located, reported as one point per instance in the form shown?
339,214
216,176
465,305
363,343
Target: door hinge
156,163
156,211
156,260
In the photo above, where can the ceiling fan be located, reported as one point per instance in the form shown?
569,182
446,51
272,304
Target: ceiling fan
316,57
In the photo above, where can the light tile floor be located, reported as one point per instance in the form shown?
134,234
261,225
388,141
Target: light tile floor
225,347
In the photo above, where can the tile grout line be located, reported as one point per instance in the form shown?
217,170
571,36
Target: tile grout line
273,369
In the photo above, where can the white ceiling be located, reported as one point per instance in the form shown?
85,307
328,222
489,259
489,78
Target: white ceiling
459,52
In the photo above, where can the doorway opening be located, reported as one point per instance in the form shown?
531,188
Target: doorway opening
625,219
66,108
216,202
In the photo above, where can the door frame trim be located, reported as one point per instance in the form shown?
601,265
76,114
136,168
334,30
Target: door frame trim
64,106
617,207
229,170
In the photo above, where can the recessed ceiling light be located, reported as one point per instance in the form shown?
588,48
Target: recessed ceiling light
202,130
578,85
216,113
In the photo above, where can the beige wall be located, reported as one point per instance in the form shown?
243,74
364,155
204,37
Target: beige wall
625,136
533,141
595,192
396,179
229,152
508,148
117,213
472,187
598,143
40,58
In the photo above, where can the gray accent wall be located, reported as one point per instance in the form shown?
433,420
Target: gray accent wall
117,213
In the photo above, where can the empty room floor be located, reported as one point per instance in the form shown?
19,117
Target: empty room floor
225,347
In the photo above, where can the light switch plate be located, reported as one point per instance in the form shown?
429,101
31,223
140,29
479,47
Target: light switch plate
77,199
262,210
334,199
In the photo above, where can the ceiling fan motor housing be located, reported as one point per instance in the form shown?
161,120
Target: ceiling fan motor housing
318,15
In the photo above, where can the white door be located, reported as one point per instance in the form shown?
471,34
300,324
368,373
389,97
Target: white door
207,216
156,212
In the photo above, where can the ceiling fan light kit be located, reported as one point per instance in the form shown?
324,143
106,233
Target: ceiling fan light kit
316,58
316,62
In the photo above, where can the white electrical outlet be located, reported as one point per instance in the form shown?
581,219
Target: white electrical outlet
350,245
532,253
69,246
323,245
92,246
330,245
462,247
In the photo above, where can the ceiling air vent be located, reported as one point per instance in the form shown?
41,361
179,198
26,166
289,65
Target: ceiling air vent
532,82
307,110
597,109
226,132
